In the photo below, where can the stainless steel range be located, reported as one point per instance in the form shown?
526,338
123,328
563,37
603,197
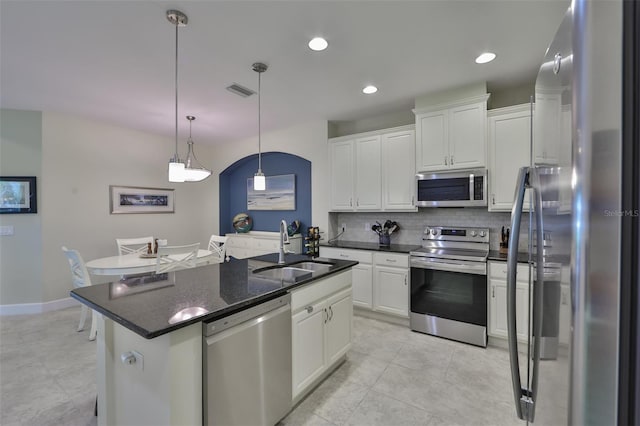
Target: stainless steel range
449,284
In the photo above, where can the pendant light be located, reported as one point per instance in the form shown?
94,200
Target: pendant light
176,166
193,170
259,180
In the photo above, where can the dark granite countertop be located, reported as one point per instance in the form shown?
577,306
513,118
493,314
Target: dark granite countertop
523,257
359,245
145,303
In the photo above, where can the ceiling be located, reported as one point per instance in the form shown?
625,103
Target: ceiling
114,60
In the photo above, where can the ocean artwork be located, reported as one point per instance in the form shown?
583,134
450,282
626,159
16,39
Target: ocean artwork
280,194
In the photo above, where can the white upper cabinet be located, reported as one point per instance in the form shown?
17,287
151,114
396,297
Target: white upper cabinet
452,136
373,171
368,174
467,135
398,170
341,158
432,143
508,151
547,127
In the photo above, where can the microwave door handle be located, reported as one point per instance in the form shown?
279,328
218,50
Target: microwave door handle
512,263
538,290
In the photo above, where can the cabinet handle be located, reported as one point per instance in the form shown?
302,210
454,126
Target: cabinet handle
412,203
309,309
564,298
446,161
350,202
346,256
391,260
357,202
493,291
405,280
326,316
493,199
452,160
330,313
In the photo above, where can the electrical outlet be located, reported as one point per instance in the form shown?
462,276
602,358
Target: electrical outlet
367,226
6,230
343,227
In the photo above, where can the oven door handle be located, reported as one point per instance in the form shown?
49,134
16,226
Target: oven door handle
477,268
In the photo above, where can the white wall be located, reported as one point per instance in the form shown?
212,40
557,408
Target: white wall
80,158
307,140
21,253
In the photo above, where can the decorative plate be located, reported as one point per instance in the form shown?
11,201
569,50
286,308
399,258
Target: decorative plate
242,223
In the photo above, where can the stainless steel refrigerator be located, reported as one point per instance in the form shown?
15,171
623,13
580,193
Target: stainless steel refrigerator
580,364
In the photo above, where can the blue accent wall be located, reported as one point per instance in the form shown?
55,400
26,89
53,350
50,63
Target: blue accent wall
233,191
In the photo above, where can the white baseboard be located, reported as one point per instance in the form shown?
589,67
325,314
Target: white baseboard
37,308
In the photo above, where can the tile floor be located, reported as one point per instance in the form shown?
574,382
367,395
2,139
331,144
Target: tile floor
392,376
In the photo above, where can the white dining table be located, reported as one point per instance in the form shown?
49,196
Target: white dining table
129,264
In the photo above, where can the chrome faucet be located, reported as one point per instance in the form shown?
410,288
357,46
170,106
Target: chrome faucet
284,239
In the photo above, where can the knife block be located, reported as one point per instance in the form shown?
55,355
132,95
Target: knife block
504,248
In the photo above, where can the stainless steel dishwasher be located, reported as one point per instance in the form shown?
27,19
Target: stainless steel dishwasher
247,366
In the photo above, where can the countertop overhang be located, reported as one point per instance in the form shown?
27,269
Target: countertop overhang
144,303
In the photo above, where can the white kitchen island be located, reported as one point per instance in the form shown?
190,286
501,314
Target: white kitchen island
153,375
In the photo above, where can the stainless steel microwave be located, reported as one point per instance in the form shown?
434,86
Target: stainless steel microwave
459,188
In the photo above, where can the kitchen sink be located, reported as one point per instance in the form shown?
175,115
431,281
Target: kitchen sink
287,273
319,267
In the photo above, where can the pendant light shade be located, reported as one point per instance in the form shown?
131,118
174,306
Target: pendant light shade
176,166
259,180
193,170
189,170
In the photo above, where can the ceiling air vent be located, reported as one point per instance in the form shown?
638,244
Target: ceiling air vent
240,90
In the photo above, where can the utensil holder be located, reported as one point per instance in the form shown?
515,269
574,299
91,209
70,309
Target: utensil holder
385,240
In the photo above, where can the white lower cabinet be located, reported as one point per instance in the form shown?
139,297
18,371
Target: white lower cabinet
391,283
361,273
321,324
362,293
497,298
380,280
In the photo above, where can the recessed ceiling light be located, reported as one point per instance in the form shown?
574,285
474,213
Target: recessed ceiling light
369,90
318,44
485,57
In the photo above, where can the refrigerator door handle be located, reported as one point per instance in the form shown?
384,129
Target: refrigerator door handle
538,290
519,394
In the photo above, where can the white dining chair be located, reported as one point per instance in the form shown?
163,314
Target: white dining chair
133,245
218,247
80,278
170,258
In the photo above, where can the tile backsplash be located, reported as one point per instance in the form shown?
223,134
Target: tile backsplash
412,225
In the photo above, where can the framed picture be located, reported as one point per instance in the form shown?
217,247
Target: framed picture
135,199
18,194
280,194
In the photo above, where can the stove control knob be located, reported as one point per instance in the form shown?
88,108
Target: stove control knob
474,233
427,231
482,234
434,232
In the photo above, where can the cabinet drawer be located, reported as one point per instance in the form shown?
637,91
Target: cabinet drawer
311,293
391,259
499,270
344,254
